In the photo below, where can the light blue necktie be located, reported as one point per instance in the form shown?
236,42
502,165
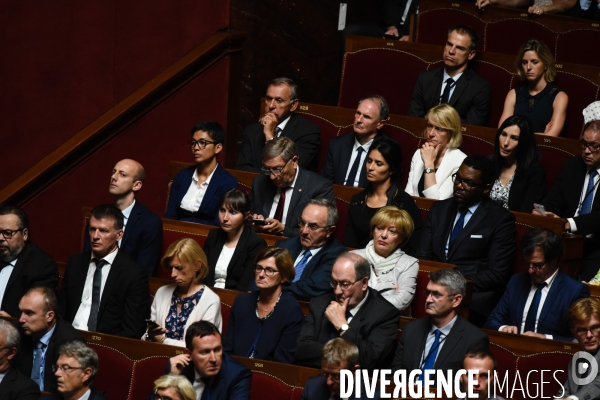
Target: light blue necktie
37,371
586,206
301,265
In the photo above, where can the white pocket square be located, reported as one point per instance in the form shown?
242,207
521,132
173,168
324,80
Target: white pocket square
476,236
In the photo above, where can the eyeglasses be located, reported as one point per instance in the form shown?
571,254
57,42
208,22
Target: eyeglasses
583,331
593,147
9,233
274,171
268,271
64,368
156,396
535,267
343,285
436,295
202,143
313,227
436,128
334,377
468,185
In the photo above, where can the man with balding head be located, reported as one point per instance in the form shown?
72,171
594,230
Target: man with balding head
142,229
354,312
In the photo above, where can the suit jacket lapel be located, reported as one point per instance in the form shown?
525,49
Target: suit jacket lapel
111,282
19,266
449,225
269,195
290,127
134,217
553,294
450,341
211,190
346,154
438,79
461,85
479,216
239,248
297,193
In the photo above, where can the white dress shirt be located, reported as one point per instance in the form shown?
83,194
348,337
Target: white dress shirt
198,385
4,277
193,197
222,265
361,166
288,198
445,78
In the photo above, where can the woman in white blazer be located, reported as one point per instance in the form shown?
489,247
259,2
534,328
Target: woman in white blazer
434,163
178,305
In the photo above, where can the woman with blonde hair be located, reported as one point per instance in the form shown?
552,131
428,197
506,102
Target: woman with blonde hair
438,158
173,387
178,305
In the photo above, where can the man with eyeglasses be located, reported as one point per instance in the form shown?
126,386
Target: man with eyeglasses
14,385
23,265
536,302
474,233
353,311
281,191
573,198
314,251
584,320
280,120
75,371
439,341
196,190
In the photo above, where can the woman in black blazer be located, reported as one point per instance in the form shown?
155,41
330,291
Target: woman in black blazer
521,178
231,248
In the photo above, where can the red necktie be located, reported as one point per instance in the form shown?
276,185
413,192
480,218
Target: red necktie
279,211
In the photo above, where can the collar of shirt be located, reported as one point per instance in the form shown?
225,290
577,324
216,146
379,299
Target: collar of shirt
295,178
127,212
284,123
86,395
46,338
110,258
365,146
444,329
13,263
207,181
359,305
314,252
455,77
550,280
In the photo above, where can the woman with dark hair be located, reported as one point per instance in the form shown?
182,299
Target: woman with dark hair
383,164
265,324
231,248
538,98
521,177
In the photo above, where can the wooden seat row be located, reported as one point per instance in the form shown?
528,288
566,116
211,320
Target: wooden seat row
503,30
399,65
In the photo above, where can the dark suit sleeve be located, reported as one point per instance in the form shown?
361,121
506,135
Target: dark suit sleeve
152,240
229,336
533,187
47,277
309,349
329,168
351,237
392,13
425,249
501,314
241,388
308,146
175,197
136,307
480,107
286,348
417,103
244,158
397,362
583,293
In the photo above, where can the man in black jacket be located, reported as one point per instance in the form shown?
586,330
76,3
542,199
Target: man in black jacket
14,385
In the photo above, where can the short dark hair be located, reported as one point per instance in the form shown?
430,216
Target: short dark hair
384,110
214,130
469,31
236,199
546,240
6,209
286,81
481,354
483,164
200,329
527,150
451,279
108,211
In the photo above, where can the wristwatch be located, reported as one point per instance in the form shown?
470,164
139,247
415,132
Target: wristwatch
343,328
429,170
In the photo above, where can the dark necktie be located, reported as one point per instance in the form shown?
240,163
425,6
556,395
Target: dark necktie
586,205
446,95
354,169
533,309
37,371
97,285
458,227
279,210
301,265
278,131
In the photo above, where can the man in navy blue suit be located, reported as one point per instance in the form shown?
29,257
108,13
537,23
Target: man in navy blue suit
314,251
536,303
214,374
142,229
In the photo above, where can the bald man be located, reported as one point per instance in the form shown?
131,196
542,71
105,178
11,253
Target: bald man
142,238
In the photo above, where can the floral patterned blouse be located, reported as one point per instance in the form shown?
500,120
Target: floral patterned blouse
175,323
500,192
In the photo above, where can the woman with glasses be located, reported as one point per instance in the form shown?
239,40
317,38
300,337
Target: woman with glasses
173,387
521,178
265,324
438,158
177,306
383,164
231,248
538,97
195,191
393,272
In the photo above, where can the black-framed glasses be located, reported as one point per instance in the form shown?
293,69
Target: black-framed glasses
592,147
468,185
343,285
583,331
9,233
274,171
64,368
313,227
268,271
202,143
156,396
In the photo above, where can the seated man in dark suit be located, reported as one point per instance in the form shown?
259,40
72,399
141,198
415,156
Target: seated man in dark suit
105,290
573,198
454,83
43,334
441,340
315,251
281,191
76,370
584,320
142,229
345,164
14,385
536,303
23,265
280,120
214,374
474,233
353,311
338,354
484,363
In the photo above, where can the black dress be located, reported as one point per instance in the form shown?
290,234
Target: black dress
358,227
537,108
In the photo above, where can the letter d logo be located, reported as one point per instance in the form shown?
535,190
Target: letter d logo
578,371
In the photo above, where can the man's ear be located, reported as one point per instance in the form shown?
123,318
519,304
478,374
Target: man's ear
137,185
457,300
471,54
294,106
87,374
